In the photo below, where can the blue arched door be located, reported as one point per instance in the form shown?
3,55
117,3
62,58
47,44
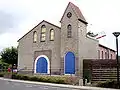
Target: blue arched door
70,63
42,65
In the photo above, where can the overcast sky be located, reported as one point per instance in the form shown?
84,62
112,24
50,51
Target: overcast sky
17,17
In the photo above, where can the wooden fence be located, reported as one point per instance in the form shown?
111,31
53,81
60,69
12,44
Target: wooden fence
100,70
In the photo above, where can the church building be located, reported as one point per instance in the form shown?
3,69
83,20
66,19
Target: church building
50,49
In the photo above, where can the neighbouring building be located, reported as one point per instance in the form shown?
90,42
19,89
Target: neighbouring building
106,53
50,49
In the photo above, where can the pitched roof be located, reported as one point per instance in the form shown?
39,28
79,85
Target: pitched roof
106,47
36,26
77,11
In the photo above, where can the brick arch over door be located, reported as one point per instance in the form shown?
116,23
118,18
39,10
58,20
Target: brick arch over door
69,63
41,64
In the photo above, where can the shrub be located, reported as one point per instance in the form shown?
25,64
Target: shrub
72,80
7,74
48,79
60,81
1,74
25,77
17,76
108,84
34,78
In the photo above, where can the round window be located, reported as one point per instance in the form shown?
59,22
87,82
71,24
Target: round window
69,14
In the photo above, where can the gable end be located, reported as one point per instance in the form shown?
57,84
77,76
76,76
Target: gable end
36,26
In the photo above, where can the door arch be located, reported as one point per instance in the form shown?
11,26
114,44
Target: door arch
69,63
41,64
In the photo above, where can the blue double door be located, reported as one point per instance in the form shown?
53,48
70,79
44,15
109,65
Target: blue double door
42,65
69,63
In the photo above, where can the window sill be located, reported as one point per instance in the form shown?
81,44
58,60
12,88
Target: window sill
34,42
51,40
42,41
69,37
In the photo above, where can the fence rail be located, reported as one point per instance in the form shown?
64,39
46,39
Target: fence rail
100,70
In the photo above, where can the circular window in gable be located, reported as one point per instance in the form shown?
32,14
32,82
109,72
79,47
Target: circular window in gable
69,14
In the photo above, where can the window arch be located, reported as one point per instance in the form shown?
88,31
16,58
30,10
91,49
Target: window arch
42,64
52,35
111,56
102,54
43,33
106,55
34,36
98,54
69,31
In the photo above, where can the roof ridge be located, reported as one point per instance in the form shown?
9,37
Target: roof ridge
78,11
74,4
52,24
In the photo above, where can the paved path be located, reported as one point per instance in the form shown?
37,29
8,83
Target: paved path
9,84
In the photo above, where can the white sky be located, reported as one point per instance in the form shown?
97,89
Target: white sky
17,17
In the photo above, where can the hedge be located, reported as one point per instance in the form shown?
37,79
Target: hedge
49,79
1,74
40,78
108,84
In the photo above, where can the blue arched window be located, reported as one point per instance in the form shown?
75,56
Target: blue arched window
69,63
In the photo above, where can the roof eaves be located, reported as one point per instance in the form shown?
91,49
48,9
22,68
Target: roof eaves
30,31
106,47
79,13
64,12
52,24
82,21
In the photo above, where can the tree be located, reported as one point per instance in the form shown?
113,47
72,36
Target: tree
9,55
3,65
